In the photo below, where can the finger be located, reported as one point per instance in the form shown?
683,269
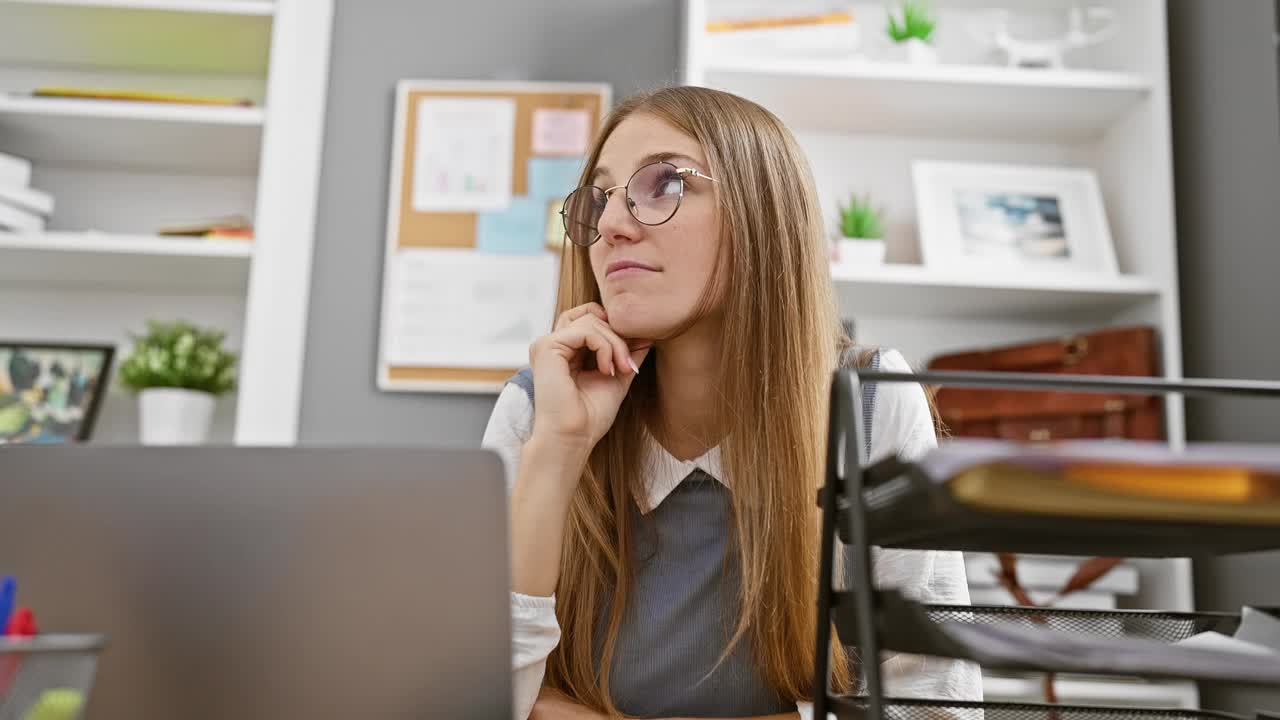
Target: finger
591,334
573,313
635,359
582,336
637,356
599,343
621,352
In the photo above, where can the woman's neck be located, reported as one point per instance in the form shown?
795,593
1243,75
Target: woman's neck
688,370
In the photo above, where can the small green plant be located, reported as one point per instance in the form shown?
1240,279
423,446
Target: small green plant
916,22
179,355
860,220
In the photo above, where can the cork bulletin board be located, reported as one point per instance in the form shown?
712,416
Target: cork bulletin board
478,170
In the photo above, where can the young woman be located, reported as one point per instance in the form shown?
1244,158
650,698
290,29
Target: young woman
665,446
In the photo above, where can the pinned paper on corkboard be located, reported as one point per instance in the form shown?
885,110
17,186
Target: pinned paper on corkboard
479,171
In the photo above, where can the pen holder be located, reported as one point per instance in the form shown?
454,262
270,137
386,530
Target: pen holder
47,677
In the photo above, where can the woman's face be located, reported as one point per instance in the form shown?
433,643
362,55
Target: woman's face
651,277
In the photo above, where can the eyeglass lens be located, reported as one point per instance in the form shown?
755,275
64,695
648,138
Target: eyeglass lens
652,196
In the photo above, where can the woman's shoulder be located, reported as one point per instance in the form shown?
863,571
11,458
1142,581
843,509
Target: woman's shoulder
875,357
891,360
886,359
902,419
510,423
512,415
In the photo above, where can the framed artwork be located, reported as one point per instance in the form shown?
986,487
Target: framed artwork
981,217
50,393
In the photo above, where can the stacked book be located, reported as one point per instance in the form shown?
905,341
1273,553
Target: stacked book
22,208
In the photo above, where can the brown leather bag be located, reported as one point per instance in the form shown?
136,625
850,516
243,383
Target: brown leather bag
1034,415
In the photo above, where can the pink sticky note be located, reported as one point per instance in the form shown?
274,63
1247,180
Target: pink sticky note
560,132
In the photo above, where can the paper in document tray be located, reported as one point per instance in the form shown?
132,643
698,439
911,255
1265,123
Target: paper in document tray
1066,498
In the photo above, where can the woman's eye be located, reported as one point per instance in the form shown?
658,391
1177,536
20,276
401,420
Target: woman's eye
669,185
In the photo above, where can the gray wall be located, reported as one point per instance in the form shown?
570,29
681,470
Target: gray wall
632,45
1226,129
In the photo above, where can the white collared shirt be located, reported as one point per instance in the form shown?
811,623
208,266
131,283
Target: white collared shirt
901,425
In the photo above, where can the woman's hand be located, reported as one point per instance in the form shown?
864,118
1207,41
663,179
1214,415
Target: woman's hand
581,373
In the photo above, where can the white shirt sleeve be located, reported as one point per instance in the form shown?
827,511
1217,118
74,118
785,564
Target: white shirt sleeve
902,424
534,629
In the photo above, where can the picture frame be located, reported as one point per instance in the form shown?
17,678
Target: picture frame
981,217
51,392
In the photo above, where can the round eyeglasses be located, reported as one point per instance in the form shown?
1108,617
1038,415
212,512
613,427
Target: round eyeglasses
652,195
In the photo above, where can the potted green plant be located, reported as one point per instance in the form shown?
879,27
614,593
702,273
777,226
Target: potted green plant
861,237
913,28
178,370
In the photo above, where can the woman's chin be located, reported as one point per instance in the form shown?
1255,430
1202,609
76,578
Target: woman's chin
633,324
638,331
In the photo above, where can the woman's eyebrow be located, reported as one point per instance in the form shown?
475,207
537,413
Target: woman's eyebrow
651,157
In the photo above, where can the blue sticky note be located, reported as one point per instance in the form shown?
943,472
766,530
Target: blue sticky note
553,177
518,230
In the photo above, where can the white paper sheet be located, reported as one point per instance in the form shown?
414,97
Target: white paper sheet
462,308
958,454
463,154
1225,643
1260,628
560,132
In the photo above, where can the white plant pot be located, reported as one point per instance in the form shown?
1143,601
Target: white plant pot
175,416
860,252
920,52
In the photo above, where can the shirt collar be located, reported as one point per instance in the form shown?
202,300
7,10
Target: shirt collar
665,472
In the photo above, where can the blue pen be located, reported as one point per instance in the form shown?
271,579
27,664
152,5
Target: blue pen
8,593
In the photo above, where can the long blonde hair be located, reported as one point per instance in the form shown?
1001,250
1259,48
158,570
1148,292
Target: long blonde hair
780,344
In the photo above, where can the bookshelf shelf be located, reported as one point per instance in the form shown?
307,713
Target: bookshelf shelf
133,263
953,101
105,134
915,290
211,37
228,7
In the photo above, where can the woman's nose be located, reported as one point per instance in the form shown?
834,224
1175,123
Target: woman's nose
617,224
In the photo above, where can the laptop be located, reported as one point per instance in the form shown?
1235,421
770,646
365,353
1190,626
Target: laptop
257,583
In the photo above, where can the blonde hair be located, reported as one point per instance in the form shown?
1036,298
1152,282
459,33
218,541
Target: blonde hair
780,343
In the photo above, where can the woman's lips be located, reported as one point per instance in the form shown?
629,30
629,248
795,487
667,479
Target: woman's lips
623,268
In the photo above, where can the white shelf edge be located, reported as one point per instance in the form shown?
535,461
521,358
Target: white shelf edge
903,274
220,7
155,245
131,110
942,73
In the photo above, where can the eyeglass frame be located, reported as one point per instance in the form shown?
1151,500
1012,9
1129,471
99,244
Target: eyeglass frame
680,172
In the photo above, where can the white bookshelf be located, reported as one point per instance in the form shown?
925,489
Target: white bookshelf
121,170
864,117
